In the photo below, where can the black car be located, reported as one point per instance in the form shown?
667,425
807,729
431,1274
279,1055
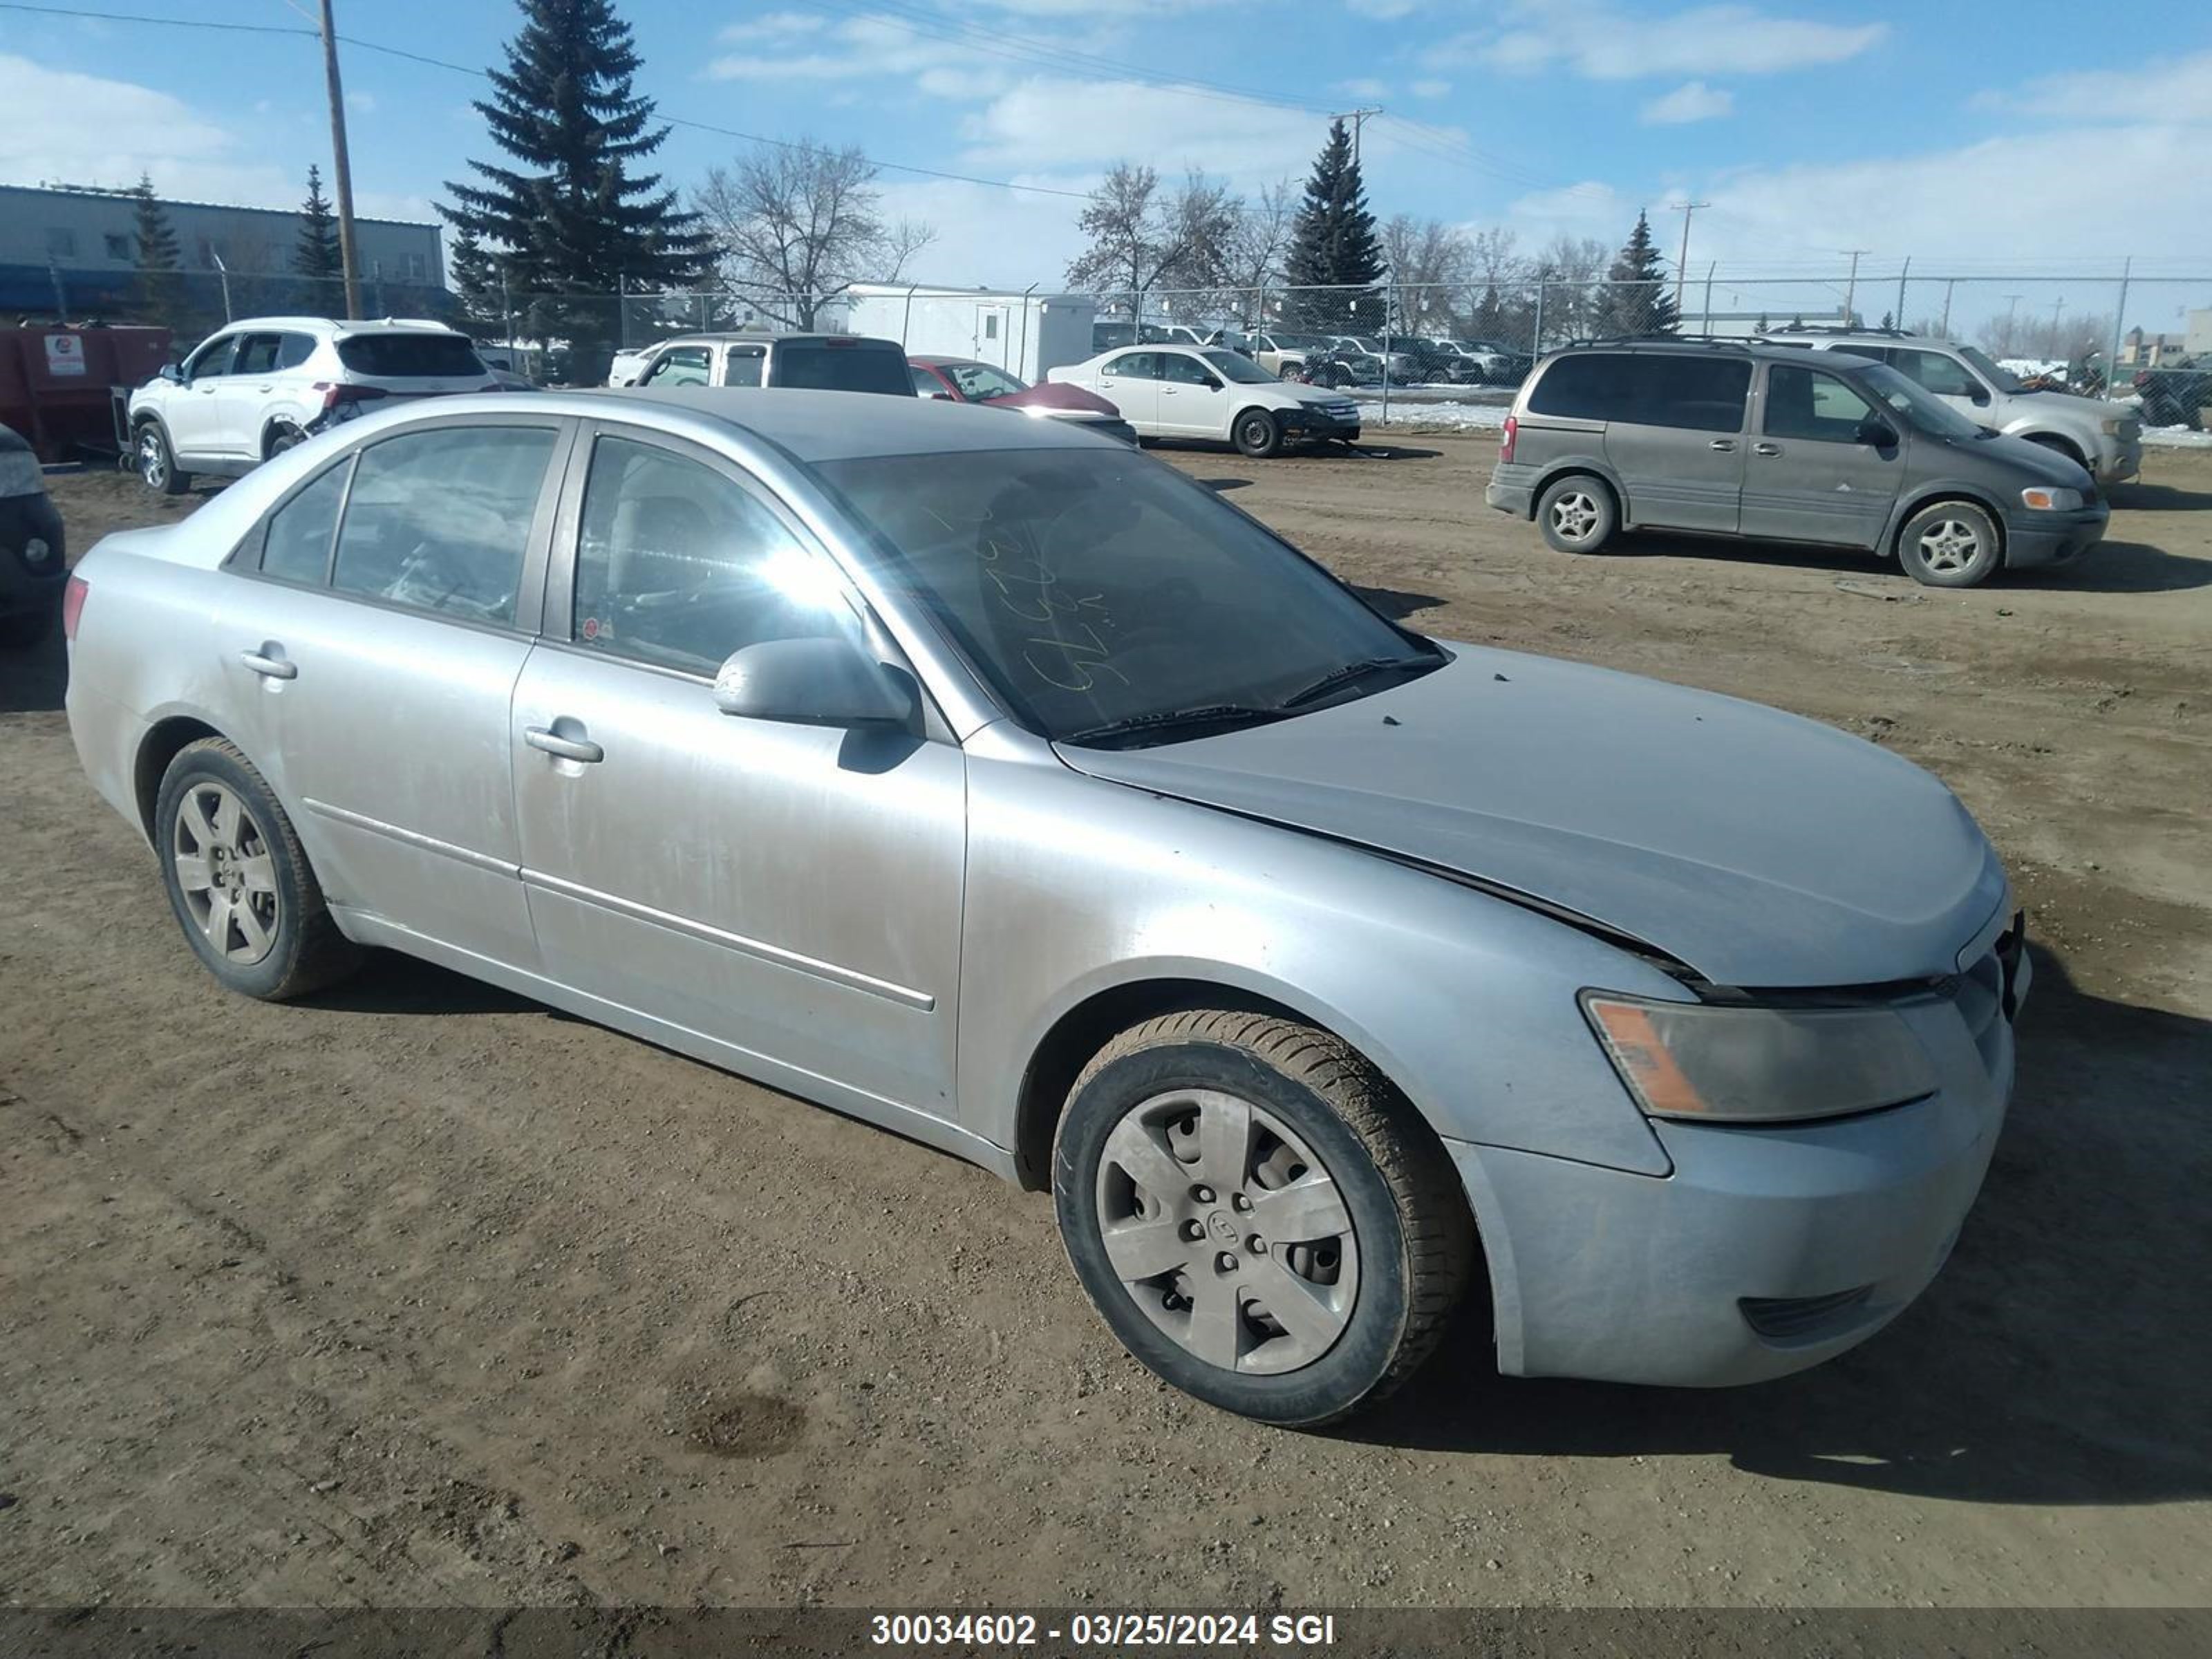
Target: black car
34,562
2175,394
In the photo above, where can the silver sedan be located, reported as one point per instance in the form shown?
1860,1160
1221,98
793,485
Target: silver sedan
996,784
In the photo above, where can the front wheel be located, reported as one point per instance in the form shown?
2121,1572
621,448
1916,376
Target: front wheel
1258,434
1258,1215
1950,545
157,462
238,881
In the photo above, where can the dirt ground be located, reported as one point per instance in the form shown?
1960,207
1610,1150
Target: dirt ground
418,1294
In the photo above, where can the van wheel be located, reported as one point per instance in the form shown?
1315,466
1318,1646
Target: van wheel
1578,514
1258,434
1949,545
238,881
157,462
1261,1219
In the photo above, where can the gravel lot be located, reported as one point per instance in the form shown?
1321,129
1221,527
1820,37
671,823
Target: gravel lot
419,1294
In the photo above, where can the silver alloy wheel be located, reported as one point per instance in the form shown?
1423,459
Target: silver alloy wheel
1227,1231
153,458
1575,516
1949,545
225,872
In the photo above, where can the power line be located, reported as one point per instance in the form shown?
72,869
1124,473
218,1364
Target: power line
481,75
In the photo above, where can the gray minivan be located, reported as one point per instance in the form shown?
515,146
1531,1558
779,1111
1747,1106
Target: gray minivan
1758,442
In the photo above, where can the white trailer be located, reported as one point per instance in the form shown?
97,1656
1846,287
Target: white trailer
1023,333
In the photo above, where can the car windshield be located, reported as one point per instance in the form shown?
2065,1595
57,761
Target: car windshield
410,356
1929,413
2002,379
978,381
1104,599
1242,370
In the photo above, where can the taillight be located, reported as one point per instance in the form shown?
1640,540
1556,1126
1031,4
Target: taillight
336,391
1506,440
73,604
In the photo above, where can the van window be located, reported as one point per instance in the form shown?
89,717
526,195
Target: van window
841,365
1705,394
1590,387
1810,403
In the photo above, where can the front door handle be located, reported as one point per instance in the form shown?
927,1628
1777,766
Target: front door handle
1766,449
574,749
1722,443
269,667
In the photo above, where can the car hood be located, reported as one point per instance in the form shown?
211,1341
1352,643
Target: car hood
1760,849
1309,394
2070,403
1057,397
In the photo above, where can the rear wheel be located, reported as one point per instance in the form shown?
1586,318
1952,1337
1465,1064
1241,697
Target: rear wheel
1578,514
284,436
1260,1218
1258,433
157,462
238,881
1949,545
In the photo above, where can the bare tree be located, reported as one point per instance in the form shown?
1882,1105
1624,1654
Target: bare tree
1257,245
1430,263
795,225
1143,238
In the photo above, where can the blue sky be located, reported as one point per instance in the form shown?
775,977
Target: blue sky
2002,135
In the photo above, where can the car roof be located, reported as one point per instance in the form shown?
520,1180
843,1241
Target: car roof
1759,350
812,427
761,337
338,328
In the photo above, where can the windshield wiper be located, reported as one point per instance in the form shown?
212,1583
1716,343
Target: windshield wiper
1212,714
1338,678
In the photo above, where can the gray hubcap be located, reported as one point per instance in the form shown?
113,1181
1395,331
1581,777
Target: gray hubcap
1227,1232
1574,515
228,879
153,461
1949,545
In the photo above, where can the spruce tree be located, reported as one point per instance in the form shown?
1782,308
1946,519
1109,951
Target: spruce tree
573,219
316,255
1334,244
160,286
475,278
1635,300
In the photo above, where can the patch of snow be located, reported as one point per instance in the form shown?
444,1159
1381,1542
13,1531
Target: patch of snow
1471,418
2176,437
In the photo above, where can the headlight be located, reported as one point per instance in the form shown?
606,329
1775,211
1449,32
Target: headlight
37,552
2045,499
2111,427
1746,1064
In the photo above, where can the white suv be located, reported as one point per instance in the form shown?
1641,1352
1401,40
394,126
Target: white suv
261,385
2106,438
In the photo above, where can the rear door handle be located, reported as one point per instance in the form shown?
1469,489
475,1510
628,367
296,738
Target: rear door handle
269,667
1766,449
574,749
1722,443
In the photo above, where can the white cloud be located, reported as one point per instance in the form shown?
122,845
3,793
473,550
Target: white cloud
1430,88
138,130
1693,100
1595,40
1591,208
2177,91
361,103
988,238
773,28
1364,88
1056,124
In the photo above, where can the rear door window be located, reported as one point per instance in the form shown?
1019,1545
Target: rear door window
1593,385
1704,394
1136,366
745,365
439,519
295,350
297,547
410,356
258,353
842,366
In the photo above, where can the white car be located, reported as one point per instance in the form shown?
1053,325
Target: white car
259,387
1212,393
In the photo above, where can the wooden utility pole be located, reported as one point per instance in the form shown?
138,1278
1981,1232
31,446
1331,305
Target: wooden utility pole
342,168
1358,117
1682,263
1851,286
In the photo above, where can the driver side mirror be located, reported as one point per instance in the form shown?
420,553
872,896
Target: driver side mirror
1877,433
814,682
1978,397
940,394
171,372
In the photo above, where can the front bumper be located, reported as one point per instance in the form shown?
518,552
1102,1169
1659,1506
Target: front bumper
2038,539
1767,1249
2120,463
1315,423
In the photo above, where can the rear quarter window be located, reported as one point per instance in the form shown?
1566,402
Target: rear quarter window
1594,387
834,365
410,356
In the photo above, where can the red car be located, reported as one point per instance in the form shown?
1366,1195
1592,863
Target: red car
963,380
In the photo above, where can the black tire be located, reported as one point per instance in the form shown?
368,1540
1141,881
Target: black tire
1950,545
1257,433
2058,445
157,462
1413,1240
1287,372
281,436
305,950
1578,514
